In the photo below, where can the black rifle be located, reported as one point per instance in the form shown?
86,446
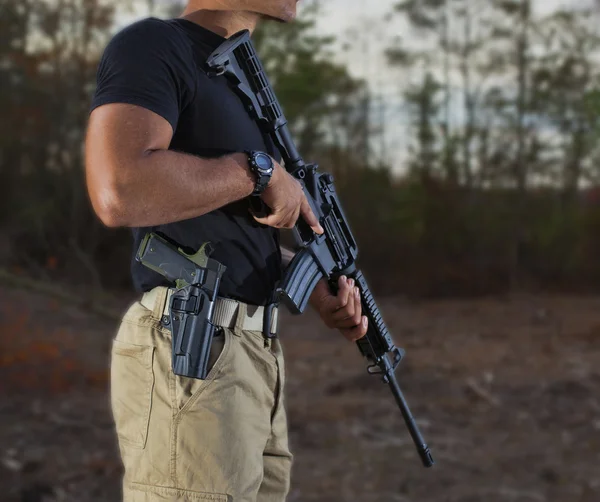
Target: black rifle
330,255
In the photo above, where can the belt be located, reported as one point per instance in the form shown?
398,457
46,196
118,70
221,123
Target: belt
225,313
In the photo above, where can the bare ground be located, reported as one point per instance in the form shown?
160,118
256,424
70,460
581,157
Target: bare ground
506,391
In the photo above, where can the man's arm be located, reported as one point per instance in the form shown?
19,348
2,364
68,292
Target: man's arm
135,181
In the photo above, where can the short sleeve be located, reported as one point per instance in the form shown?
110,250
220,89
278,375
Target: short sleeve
149,64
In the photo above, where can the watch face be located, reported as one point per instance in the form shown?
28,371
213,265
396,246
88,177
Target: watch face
263,162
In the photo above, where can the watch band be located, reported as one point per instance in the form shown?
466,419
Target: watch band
263,172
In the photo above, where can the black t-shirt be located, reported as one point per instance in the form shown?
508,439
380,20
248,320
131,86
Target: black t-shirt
159,65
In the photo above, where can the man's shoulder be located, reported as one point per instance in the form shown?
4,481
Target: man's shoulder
150,32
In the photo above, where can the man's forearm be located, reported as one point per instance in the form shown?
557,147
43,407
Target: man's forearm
167,186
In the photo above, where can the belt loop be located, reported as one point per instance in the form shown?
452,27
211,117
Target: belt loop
240,318
159,303
270,320
275,321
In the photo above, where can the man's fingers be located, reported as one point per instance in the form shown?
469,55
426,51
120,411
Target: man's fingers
349,310
295,216
357,306
346,313
272,220
309,216
276,220
344,290
345,323
330,304
350,316
357,332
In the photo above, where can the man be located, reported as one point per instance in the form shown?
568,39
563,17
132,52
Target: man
172,150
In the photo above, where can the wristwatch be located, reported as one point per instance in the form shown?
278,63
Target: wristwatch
262,166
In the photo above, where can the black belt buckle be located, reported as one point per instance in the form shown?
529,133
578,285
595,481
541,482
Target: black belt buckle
267,319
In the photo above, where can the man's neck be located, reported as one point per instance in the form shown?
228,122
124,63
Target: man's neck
222,22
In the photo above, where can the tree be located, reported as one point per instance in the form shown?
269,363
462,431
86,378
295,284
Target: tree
49,53
564,83
454,34
424,105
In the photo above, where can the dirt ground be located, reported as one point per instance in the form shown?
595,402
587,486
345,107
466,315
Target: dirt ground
506,391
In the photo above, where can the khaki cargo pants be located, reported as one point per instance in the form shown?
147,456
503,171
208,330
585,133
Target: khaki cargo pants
181,439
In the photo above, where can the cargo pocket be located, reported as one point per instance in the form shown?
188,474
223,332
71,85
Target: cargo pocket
187,388
132,381
146,493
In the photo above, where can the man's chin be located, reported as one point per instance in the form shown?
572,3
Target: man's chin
280,19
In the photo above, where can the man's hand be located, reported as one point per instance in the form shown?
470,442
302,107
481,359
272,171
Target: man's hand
287,201
343,311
